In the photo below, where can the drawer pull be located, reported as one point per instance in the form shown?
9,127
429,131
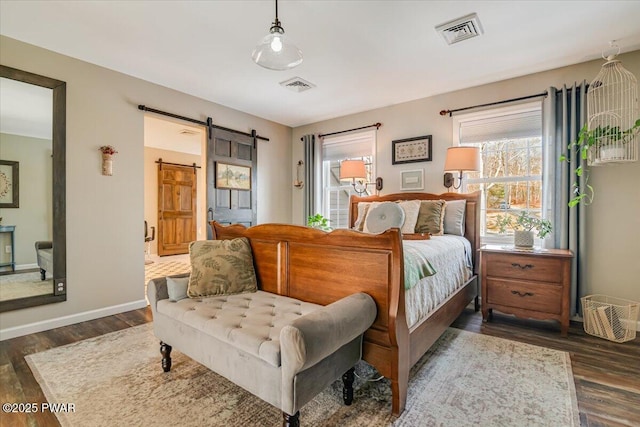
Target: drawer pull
524,267
522,294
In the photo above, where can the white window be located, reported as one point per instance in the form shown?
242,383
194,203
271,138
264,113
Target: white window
510,141
336,193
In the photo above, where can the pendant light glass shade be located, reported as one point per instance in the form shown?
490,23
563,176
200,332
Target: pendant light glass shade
274,51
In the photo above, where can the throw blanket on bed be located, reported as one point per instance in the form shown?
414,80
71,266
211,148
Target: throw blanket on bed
419,255
416,264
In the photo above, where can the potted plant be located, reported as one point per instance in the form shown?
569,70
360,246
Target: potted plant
318,221
523,229
612,145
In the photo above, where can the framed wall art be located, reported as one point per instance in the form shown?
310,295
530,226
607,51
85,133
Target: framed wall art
233,177
9,177
411,150
412,180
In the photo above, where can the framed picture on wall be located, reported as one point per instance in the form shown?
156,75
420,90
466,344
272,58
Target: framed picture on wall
233,177
412,180
411,150
9,175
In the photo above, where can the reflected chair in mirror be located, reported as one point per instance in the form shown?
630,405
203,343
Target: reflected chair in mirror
44,252
147,240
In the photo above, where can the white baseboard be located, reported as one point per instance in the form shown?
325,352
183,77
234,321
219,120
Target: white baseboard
45,325
26,266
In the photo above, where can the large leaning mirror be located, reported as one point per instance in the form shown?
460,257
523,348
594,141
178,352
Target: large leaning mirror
32,190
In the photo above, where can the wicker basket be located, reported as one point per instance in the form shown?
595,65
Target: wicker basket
610,318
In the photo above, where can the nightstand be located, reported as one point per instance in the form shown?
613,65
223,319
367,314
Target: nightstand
534,284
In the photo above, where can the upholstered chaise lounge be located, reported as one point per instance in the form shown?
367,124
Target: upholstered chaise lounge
44,253
283,350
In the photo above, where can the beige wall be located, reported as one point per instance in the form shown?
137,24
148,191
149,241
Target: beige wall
105,258
613,221
151,155
33,219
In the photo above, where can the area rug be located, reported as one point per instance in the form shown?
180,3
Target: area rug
162,269
22,285
465,379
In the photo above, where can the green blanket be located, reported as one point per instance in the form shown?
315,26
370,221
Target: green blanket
416,265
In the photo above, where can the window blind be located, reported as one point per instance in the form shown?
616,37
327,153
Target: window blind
509,126
347,147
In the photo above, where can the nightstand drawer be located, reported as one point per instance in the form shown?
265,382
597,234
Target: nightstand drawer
528,295
524,267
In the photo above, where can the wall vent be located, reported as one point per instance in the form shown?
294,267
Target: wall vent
297,84
460,29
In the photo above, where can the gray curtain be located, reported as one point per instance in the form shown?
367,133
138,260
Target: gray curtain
564,114
310,172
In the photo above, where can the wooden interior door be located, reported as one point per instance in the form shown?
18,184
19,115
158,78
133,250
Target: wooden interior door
176,208
230,206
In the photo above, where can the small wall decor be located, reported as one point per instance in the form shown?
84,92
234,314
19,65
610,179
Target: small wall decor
412,180
233,177
411,150
9,177
107,159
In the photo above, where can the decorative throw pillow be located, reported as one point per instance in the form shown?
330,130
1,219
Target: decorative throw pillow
431,217
411,210
363,208
454,212
383,217
177,288
221,267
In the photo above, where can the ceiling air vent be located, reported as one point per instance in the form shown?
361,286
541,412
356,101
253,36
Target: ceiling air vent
188,132
460,29
297,84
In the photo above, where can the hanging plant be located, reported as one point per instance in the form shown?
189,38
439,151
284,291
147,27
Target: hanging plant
599,138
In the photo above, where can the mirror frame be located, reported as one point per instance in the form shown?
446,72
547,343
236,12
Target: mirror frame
59,291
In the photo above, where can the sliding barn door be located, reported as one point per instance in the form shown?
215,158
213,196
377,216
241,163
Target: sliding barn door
176,209
232,166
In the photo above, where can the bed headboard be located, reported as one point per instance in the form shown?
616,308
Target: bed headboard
472,213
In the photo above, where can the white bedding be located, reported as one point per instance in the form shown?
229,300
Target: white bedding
450,256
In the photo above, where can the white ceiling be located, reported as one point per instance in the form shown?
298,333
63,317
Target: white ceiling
361,54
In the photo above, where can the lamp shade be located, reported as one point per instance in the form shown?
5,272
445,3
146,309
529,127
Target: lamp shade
275,52
462,159
353,169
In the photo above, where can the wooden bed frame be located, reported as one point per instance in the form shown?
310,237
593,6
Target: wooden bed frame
319,267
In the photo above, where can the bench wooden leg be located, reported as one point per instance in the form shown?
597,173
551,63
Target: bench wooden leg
291,420
165,350
347,389
43,274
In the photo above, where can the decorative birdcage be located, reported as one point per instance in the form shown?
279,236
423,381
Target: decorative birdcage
612,111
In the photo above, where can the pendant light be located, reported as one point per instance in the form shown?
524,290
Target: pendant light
612,110
274,51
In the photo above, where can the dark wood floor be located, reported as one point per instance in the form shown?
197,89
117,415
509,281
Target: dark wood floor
606,374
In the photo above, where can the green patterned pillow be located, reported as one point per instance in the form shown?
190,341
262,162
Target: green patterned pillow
221,267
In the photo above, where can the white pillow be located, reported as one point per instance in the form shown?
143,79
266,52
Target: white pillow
383,217
411,209
363,208
177,288
454,213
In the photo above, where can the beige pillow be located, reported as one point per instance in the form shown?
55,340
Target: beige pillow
221,267
363,208
431,217
411,209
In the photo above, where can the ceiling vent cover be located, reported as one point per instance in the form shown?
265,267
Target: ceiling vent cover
460,29
297,84
186,131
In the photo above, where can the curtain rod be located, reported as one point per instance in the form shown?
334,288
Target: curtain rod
450,112
160,162
538,95
208,123
376,125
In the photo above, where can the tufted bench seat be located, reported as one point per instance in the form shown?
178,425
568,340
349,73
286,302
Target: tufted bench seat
283,350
